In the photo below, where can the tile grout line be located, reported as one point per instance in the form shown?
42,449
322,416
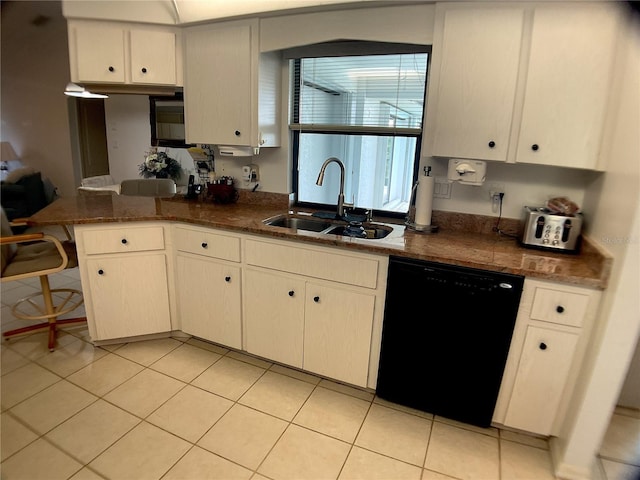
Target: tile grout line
433,419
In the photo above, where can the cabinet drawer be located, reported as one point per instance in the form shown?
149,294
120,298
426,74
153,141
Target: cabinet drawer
559,307
360,271
121,240
207,243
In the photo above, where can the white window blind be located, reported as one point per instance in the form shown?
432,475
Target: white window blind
372,94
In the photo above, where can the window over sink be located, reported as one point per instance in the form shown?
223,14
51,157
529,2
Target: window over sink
366,109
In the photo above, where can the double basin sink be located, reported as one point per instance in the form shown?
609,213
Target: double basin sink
310,223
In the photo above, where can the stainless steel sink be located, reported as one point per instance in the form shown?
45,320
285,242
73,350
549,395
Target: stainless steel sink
307,222
372,232
311,224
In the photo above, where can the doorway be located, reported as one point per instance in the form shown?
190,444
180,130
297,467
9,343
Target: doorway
92,137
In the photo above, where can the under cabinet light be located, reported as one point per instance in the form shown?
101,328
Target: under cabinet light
75,90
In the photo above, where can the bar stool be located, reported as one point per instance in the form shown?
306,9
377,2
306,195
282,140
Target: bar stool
31,255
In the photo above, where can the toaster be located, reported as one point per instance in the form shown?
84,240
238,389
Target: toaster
542,228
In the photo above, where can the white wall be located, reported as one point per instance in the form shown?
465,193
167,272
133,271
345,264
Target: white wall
35,71
630,393
128,134
129,138
523,184
402,24
614,203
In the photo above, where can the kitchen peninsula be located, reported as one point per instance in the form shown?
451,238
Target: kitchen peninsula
316,301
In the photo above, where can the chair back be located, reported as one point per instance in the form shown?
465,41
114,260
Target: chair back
97,181
148,187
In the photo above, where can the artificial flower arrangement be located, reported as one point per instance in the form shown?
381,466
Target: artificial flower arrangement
160,165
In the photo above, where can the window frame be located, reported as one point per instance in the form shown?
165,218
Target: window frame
295,128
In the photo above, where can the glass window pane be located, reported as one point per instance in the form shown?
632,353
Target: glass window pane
378,170
375,90
366,111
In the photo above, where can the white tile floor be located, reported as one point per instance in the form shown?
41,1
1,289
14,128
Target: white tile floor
180,408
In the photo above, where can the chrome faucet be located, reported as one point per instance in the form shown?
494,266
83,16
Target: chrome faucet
341,203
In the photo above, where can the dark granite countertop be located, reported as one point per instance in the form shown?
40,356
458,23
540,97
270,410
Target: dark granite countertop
466,240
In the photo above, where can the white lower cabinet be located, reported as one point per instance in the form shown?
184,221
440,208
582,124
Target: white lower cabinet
314,308
274,316
208,298
547,347
319,328
542,375
337,333
208,279
124,280
299,314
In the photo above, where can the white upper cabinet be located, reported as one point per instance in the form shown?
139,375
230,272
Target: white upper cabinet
153,57
231,91
568,85
118,53
99,53
475,91
522,84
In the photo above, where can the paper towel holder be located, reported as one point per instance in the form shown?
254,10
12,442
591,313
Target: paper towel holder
410,219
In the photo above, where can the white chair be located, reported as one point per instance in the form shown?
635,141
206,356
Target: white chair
99,185
97,181
148,187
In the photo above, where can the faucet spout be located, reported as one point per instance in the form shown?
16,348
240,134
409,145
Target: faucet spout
320,180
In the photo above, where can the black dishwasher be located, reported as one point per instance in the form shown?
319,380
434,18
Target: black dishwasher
445,338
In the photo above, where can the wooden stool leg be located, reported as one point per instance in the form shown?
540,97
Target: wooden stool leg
48,302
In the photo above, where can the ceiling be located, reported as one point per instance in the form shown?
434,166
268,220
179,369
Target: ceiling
172,12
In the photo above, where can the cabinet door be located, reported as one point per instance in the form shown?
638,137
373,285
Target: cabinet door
129,295
153,57
337,333
217,85
476,90
100,53
570,66
540,379
209,300
274,316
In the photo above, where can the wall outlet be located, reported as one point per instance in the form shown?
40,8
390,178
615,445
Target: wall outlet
246,173
495,189
255,173
250,173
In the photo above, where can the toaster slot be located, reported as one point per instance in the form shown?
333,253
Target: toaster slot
566,230
539,227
